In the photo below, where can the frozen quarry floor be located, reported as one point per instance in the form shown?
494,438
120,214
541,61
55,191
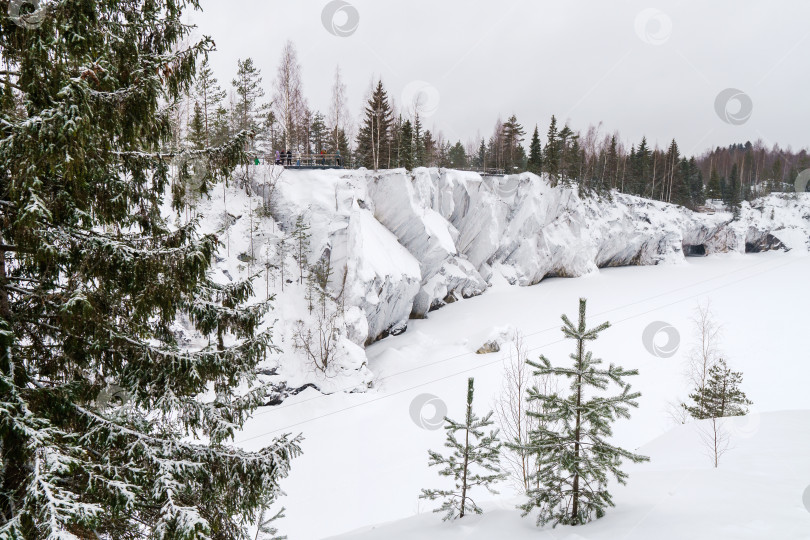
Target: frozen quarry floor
365,460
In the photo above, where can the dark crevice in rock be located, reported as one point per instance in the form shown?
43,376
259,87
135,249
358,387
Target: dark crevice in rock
282,391
767,242
694,250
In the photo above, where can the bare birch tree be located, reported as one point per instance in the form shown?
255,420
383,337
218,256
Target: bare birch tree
288,99
338,110
715,439
705,353
511,408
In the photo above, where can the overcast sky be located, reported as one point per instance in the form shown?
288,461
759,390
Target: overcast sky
640,67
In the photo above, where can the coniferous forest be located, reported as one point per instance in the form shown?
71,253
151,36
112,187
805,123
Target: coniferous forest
381,133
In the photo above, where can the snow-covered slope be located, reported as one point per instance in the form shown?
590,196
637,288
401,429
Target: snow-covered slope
756,494
402,244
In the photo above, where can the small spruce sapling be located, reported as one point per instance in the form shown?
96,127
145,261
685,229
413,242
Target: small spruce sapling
282,249
477,450
721,396
570,441
301,237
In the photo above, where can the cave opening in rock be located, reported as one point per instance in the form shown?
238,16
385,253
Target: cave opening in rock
694,250
767,242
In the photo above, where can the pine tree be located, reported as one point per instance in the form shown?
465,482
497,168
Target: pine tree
429,149
209,96
570,442
721,396
220,127
92,279
472,463
418,142
576,161
611,168
640,168
732,197
319,276
713,188
342,148
406,157
192,178
457,156
564,138
535,153
551,159
269,129
443,157
318,133
301,236
513,134
672,187
282,250
693,178
248,86
373,141
481,157
196,128
265,526
395,141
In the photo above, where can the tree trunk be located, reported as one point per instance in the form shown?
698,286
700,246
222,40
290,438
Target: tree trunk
5,310
580,353
466,464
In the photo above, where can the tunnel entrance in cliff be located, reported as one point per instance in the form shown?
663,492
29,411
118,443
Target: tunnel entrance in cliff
694,250
767,242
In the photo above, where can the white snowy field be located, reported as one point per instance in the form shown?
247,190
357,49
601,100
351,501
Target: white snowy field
365,459
756,493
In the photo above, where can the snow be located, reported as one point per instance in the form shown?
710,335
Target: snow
365,460
756,493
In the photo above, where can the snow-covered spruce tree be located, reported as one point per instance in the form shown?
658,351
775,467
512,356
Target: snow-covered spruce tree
570,442
721,396
92,280
301,237
473,462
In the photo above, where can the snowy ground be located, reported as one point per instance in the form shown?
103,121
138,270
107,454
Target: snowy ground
755,494
365,459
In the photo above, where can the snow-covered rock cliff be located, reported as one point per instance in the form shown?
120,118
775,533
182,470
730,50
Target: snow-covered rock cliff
457,228
401,244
